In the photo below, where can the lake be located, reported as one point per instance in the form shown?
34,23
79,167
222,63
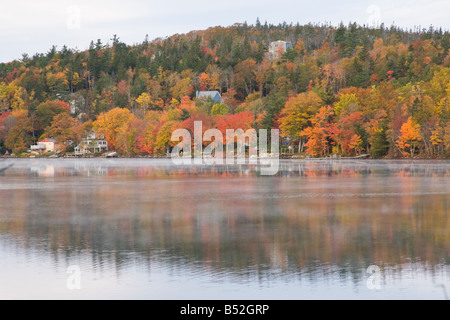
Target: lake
149,229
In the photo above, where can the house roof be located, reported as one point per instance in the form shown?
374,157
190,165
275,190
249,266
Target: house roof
215,95
280,41
48,140
207,93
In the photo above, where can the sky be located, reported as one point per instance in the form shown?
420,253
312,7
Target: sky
32,26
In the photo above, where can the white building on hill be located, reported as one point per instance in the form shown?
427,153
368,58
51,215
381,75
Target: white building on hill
277,48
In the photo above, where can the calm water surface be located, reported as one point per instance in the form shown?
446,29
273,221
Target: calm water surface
148,229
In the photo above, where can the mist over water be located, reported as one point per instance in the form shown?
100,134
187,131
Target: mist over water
148,229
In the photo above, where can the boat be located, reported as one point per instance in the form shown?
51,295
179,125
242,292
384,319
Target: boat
111,155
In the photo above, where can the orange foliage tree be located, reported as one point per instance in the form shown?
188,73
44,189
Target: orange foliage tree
19,137
346,135
318,136
204,82
410,136
62,128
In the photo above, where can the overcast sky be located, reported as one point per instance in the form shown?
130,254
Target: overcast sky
30,26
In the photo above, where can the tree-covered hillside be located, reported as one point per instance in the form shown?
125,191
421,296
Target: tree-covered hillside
339,90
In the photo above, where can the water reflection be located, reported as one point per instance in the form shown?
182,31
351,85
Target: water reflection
316,221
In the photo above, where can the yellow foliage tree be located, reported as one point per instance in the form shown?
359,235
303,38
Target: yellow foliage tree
182,88
144,101
12,96
297,113
163,137
347,103
112,123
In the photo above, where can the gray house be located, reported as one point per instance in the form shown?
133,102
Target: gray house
214,95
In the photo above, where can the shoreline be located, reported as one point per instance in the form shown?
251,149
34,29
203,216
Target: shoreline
280,158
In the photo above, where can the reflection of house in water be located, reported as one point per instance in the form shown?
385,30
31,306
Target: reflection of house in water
89,170
92,143
44,171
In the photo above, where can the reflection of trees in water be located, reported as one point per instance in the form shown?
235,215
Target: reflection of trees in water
165,168
120,224
265,226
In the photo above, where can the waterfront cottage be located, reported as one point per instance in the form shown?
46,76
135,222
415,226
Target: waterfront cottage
92,143
45,145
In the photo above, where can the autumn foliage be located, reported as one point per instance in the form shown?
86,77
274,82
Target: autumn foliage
410,136
344,90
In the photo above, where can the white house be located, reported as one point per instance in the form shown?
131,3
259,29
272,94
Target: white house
45,145
92,143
